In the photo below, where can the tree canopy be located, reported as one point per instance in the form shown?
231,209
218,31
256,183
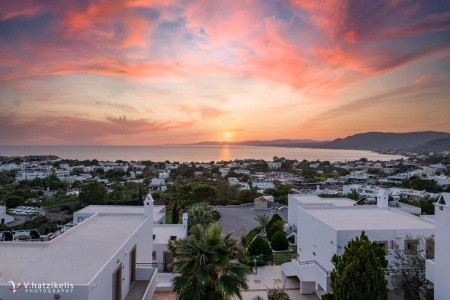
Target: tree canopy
93,193
208,266
359,271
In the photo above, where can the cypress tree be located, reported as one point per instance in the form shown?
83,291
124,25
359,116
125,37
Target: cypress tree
359,271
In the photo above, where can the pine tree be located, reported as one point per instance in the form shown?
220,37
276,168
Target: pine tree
359,271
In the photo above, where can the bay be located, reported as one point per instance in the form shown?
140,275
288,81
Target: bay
189,153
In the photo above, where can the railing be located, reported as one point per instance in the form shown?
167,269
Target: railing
162,268
314,262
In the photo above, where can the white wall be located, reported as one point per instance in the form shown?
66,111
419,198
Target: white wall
442,251
101,284
317,241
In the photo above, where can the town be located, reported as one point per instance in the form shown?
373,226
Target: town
264,205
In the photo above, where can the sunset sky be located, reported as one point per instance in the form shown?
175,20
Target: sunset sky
176,71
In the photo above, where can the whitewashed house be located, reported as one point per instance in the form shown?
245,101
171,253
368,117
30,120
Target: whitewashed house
263,185
438,269
157,185
274,165
106,256
324,229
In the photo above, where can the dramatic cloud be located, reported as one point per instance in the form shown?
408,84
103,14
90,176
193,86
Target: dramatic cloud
198,68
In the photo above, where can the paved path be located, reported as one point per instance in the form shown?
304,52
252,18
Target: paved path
272,277
240,220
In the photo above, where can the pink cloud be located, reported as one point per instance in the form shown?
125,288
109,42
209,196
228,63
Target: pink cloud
51,128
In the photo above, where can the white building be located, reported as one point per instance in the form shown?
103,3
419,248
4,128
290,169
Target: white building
4,217
274,165
224,171
233,181
162,235
157,185
324,229
9,167
358,175
372,191
438,269
263,185
106,256
441,180
159,212
263,202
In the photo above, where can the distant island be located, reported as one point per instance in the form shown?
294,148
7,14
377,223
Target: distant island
421,142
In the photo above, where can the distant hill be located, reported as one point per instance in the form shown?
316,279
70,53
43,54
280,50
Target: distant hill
306,143
423,141
378,141
439,145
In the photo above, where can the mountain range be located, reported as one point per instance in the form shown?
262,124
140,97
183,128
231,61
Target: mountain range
425,141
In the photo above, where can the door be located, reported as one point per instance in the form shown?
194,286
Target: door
167,261
117,283
132,265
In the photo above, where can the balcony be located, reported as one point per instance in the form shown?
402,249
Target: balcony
308,271
144,286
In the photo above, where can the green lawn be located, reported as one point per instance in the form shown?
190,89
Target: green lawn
168,217
281,258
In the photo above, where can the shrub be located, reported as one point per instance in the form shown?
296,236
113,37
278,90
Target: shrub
275,217
261,249
272,231
246,239
279,241
277,294
259,246
328,297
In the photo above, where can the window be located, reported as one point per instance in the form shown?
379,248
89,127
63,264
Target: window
154,255
154,236
430,248
80,219
173,238
384,245
411,246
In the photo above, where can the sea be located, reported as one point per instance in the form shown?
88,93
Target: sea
190,153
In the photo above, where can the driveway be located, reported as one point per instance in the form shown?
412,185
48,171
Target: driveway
241,219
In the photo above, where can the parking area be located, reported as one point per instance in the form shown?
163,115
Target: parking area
241,219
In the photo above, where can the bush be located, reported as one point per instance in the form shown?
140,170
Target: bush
275,217
259,246
272,231
277,294
328,297
260,249
279,241
246,239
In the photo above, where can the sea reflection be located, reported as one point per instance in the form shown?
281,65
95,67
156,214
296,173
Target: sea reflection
225,153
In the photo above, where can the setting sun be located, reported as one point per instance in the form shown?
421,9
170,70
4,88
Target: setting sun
228,135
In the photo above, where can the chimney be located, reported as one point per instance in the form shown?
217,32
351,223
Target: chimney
383,198
148,205
185,222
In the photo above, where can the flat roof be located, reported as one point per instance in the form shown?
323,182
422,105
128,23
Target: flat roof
368,218
123,209
163,232
75,256
313,199
111,209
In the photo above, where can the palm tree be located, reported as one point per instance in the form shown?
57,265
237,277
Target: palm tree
208,266
200,213
263,220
